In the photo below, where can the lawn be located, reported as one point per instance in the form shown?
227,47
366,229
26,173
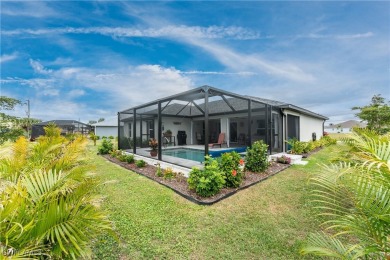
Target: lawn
270,220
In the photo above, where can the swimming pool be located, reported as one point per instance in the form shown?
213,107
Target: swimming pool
198,155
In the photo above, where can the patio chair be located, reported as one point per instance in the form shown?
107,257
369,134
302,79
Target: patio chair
221,139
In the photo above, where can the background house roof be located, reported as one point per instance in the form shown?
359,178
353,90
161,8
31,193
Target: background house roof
62,122
112,121
347,124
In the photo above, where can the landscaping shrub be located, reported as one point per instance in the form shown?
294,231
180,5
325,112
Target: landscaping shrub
230,167
140,163
207,182
296,147
116,153
352,199
309,147
106,146
169,173
327,140
48,200
159,172
257,157
126,158
111,137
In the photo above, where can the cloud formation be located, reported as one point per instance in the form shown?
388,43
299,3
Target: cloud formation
211,32
8,57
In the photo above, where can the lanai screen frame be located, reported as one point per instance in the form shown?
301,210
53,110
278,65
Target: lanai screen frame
204,92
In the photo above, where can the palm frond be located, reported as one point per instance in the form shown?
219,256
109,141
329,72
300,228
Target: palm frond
323,245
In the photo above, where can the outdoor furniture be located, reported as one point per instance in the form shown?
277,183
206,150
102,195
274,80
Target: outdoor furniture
221,139
199,138
241,139
167,140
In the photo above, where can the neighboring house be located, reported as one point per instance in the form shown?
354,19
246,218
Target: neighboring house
198,116
67,127
344,127
108,127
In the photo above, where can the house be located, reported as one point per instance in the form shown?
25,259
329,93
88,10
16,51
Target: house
108,127
344,127
67,127
198,116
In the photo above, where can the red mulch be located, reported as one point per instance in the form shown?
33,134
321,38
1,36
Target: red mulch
180,186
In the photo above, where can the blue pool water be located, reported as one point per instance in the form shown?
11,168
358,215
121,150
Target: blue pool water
198,155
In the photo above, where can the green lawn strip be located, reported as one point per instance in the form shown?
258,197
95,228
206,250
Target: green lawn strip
267,221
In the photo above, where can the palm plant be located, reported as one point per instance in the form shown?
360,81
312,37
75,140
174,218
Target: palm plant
354,200
48,202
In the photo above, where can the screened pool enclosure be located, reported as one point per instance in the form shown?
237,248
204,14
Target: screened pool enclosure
195,120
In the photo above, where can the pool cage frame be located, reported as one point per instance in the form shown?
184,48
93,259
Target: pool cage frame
228,103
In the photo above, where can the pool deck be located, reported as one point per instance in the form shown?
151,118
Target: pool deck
184,166
177,164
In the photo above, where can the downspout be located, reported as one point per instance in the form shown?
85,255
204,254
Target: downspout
119,136
285,129
323,127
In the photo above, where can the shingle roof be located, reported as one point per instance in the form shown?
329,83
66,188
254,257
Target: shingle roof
348,124
61,122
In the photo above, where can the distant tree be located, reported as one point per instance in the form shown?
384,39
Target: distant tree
101,119
7,103
376,114
9,127
92,122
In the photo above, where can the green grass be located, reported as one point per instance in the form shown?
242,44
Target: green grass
270,220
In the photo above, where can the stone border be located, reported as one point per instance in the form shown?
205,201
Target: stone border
191,198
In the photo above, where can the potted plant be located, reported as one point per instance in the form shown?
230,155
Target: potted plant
168,132
153,144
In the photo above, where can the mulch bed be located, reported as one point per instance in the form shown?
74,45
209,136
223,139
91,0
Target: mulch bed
180,186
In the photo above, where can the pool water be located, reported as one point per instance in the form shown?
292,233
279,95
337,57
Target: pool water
198,155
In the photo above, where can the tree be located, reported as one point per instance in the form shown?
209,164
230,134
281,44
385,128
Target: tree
49,203
354,202
101,119
7,103
376,114
9,129
92,122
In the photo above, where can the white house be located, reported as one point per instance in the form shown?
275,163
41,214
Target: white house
344,127
197,117
108,127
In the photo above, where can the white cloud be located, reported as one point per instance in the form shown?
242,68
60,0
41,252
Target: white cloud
39,68
121,87
239,73
76,93
211,32
337,36
8,57
36,9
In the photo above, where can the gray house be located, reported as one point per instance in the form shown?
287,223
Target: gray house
202,116
66,126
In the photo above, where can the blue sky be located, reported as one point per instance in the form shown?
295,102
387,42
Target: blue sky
86,60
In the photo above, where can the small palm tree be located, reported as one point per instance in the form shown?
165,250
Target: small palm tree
354,199
48,202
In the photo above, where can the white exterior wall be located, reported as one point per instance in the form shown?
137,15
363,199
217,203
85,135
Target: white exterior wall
307,126
169,123
338,130
106,131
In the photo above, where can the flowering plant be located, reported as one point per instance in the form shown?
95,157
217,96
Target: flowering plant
284,159
231,165
153,143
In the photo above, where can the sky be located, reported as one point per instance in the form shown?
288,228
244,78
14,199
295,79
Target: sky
85,60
